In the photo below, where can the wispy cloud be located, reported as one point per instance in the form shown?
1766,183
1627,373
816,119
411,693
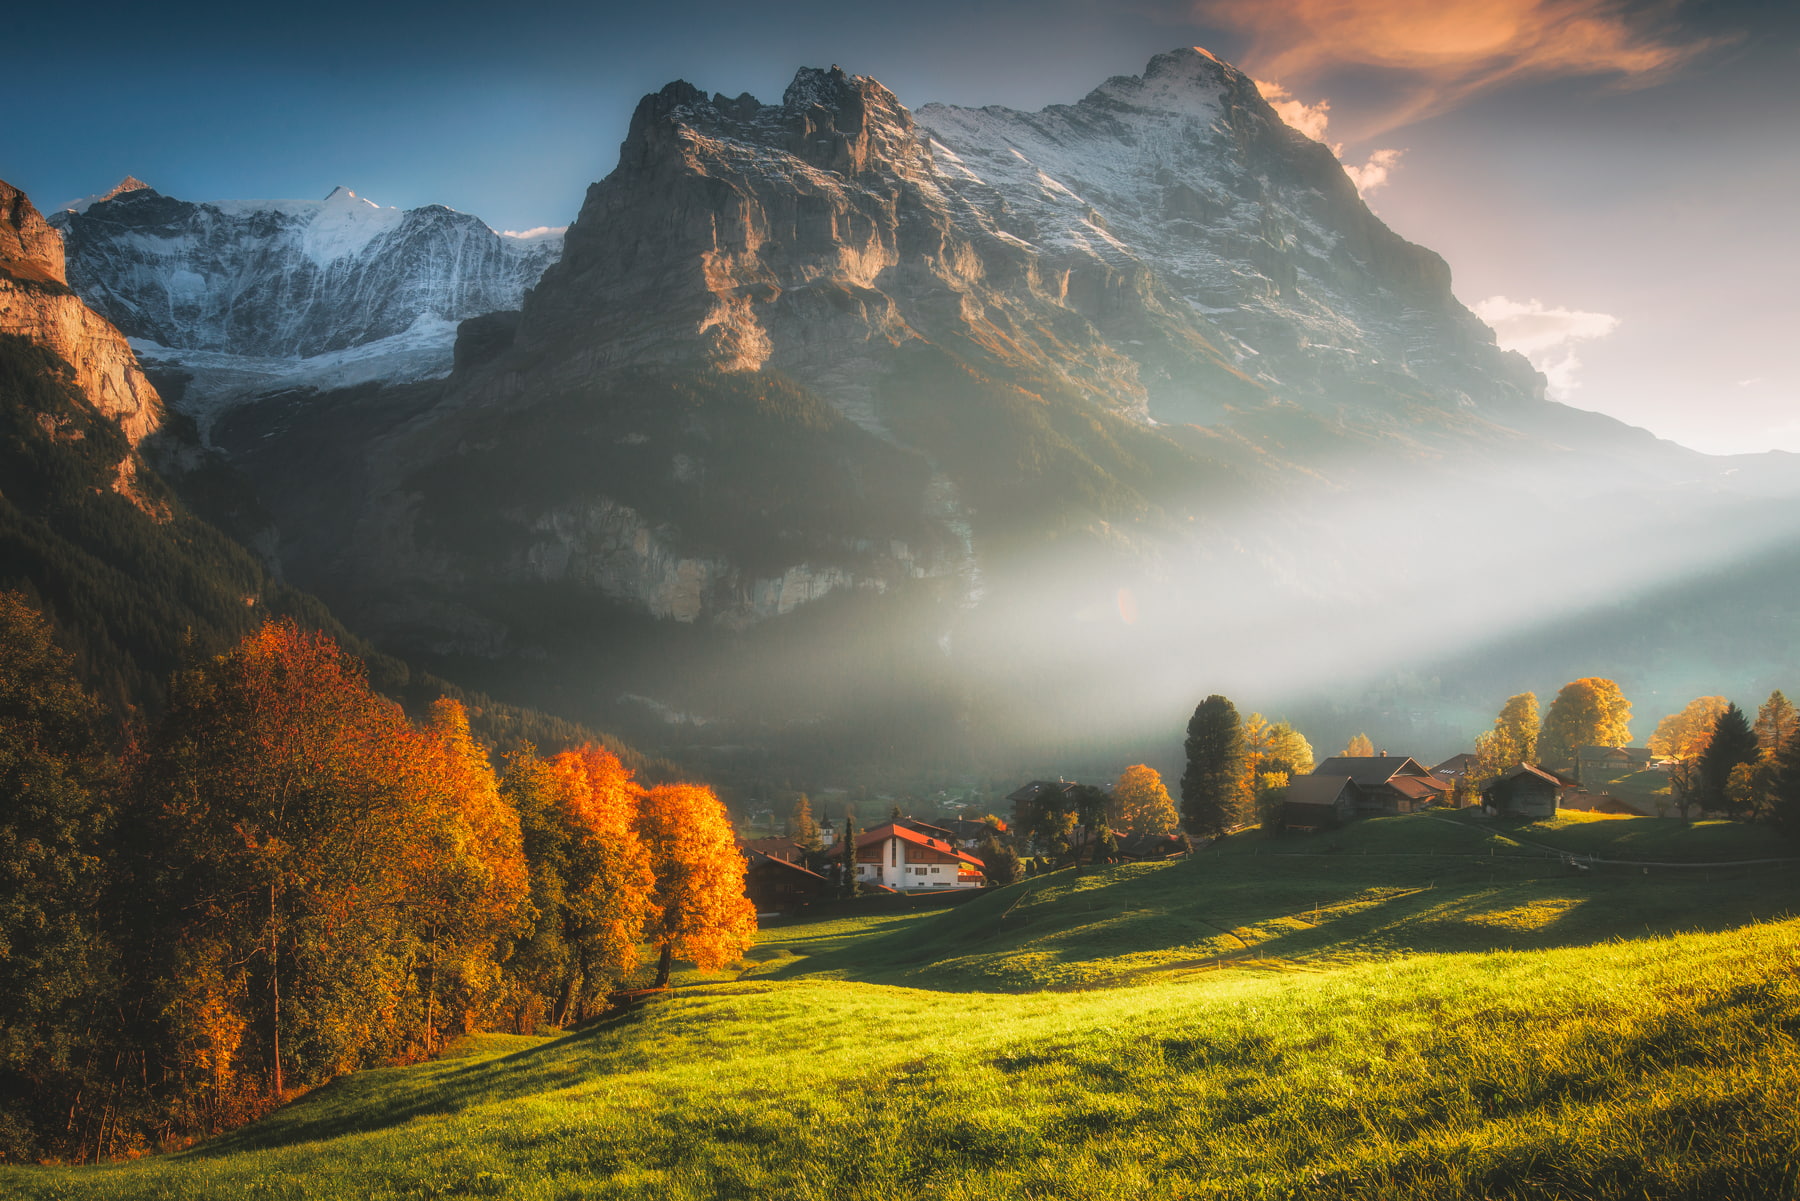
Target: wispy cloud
1546,336
1314,120
1310,119
1374,173
1449,50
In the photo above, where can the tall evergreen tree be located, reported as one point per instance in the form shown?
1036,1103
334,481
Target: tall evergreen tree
1784,791
1776,722
1212,787
847,884
1733,743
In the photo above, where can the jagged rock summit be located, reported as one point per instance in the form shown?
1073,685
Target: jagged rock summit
1166,247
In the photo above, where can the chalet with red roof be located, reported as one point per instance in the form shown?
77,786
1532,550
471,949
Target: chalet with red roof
902,858
1388,783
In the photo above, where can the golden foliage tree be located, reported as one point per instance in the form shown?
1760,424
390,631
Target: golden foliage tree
1359,747
1685,735
1145,806
471,884
309,865
1591,711
609,887
698,910
1513,740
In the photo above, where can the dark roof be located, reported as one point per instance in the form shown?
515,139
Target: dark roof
913,823
1035,789
1457,765
758,859
1316,789
780,848
1525,769
1370,771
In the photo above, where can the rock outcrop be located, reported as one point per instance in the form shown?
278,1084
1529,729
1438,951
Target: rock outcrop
37,304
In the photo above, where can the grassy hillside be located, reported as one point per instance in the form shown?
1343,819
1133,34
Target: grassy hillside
1406,1024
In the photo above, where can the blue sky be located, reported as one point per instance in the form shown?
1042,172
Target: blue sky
1615,180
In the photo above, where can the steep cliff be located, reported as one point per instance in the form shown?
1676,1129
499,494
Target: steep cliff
36,304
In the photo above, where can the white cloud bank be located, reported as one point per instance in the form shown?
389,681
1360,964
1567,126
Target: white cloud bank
1546,336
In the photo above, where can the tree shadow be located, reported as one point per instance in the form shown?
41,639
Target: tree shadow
380,1099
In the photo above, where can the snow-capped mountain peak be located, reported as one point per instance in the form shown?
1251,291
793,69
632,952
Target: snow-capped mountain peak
255,285
1190,81
130,183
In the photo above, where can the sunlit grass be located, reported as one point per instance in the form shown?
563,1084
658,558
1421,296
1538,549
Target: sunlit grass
1243,1025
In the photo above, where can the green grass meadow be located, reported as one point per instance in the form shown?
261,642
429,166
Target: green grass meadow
1399,1010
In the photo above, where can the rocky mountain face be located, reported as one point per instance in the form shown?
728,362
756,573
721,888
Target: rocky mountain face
829,391
246,295
1167,247
37,306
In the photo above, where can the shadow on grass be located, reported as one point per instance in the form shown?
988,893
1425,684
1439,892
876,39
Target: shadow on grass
380,1099
1038,934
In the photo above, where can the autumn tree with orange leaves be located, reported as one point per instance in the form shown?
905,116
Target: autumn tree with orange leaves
470,884
591,883
698,911
316,878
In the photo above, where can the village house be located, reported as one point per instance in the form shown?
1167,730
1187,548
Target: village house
904,859
1525,791
776,885
1457,767
1036,790
969,834
1388,783
1599,764
1318,802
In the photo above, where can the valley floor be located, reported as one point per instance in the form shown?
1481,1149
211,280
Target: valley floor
1400,1010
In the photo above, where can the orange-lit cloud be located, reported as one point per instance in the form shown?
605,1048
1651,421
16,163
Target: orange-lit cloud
1310,119
1449,50
1314,120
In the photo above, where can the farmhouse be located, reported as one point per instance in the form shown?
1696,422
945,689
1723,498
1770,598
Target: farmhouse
1387,783
1595,764
776,885
1318,802
1525,791
1037,790
1457,766
902,858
